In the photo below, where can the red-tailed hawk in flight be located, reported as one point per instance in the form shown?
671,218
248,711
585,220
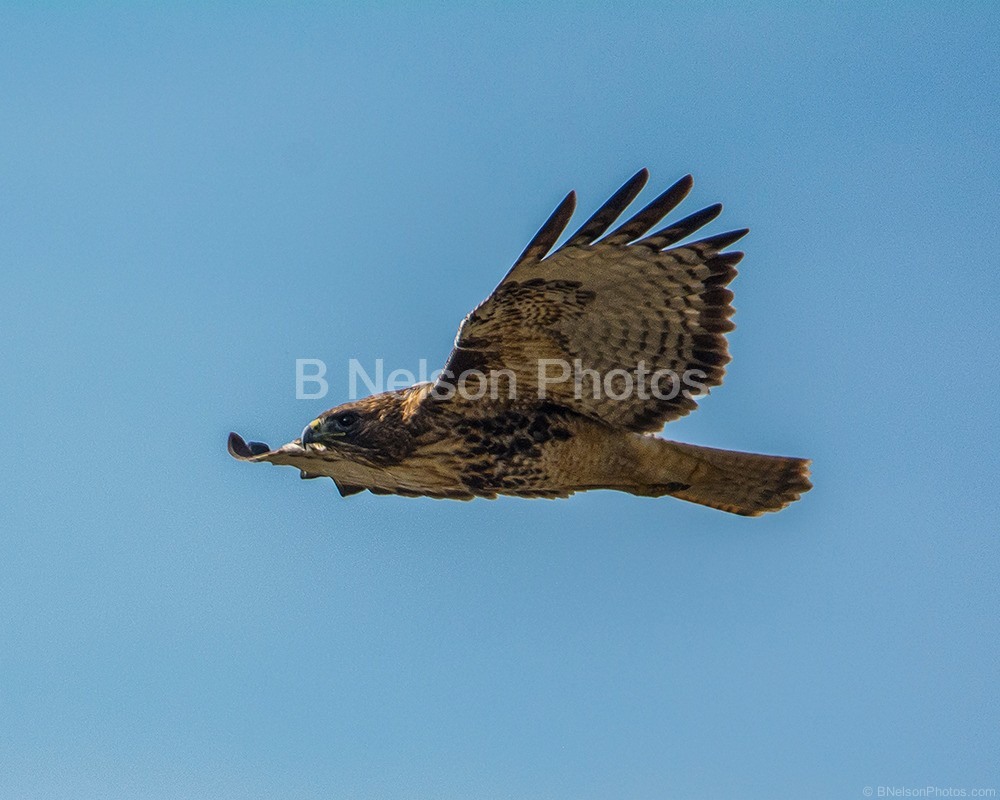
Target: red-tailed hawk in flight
559,380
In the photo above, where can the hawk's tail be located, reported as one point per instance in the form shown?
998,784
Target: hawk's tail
740,483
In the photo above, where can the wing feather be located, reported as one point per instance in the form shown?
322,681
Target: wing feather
639,224
549,233
605,216
719,242
620,303
681,229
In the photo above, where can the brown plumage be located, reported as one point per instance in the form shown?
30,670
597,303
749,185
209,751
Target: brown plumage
574,339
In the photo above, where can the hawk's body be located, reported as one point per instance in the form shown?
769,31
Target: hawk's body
622,307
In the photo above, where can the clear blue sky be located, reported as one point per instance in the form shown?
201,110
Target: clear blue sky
191,199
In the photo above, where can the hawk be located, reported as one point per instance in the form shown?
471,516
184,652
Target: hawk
594,346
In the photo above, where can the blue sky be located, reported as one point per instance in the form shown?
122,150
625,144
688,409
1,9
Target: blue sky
192,198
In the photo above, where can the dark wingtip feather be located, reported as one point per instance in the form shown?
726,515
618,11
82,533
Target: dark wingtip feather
641,222
681,229
719,242
604,217
640,178
723,268
547,235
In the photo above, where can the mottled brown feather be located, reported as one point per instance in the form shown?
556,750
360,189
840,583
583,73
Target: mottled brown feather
615,303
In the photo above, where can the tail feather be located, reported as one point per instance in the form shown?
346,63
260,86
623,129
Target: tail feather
740,483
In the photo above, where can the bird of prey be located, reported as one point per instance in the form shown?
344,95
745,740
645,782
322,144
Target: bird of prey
595,345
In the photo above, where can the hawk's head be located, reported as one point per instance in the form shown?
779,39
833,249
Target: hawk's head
341,426
349,442
370,430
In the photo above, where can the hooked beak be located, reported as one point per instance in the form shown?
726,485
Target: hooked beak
309,433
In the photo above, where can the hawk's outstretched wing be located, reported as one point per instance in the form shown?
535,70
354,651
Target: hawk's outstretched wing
622,302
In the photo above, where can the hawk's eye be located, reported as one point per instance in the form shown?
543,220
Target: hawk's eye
346,420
